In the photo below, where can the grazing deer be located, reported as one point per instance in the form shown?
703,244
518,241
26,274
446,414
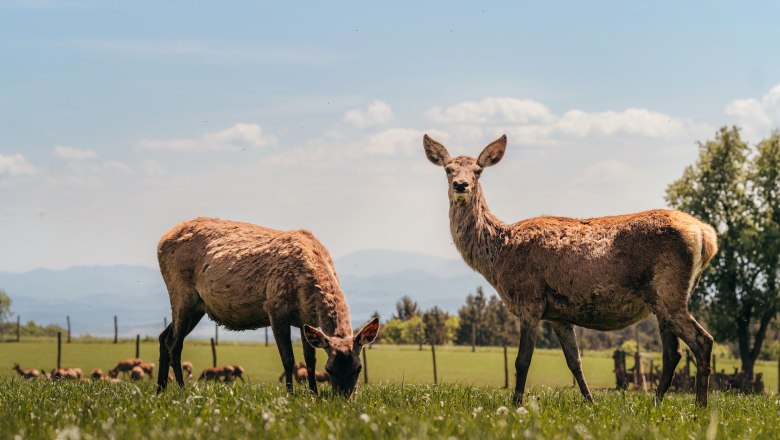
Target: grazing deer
137,373
601,273
247,276
215,373
65,373
187,367
97,374
238,372
148,368
25,373
299,373
124,366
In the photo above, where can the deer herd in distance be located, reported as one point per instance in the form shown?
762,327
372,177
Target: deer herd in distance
601,273
134,369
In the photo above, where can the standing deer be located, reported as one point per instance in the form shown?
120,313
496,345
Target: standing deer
602,273
246,277
25,373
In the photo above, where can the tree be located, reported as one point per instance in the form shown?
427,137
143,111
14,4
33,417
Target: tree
5,311
435,325
738,197
406,308
471,330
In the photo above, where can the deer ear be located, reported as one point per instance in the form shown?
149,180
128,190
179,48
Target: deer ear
493,153
368,333
435,151
315,338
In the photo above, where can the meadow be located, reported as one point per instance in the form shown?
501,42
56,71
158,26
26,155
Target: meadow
399,402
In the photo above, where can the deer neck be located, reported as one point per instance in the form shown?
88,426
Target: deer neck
477,233
332,308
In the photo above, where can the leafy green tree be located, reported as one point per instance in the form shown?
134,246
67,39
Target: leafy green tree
472,330
435,325
392,331
406,308
5,311
738,197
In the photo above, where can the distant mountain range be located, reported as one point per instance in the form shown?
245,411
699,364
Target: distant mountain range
92,295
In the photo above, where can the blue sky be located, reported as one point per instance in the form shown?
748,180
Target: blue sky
121,119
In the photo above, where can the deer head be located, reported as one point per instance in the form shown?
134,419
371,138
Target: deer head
343,364
463,171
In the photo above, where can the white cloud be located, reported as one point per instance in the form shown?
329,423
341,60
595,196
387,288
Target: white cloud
529,121
16,165
495,110
71,153
236,137
757,117
377,113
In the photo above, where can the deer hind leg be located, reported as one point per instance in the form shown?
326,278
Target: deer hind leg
671,357
182,328
310,356
700,342
571,351
165,359
281,331
523,360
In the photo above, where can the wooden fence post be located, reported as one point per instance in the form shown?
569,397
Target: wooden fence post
213,354
18,327
778,375
216,334
365,367
266,336
473,337
68,319
137,346
116,330
433,353
59,349
506,369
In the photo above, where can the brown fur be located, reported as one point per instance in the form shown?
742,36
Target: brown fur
148,368
27,374
66,373
247,276
124,366
97,374
137,373
216,373
187,367
603,273
238,372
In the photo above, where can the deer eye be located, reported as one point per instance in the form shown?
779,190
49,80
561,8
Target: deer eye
448,170
478,172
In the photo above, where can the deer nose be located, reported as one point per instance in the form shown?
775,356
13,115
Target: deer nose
460,186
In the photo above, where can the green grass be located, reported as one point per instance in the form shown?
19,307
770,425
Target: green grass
386,364
39,409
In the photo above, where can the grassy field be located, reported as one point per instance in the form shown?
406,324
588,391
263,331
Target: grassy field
38,409
399,402
386,364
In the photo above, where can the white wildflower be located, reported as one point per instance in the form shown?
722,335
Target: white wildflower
502,410
365,418
69,433
522,411
476,411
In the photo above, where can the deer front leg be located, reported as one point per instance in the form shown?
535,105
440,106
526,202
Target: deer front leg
310,356
571,351
281,331
523,361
